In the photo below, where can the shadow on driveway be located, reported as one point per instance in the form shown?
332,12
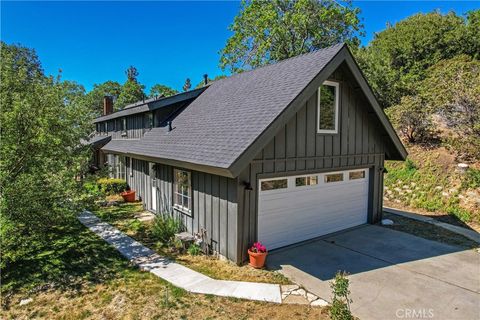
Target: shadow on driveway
389,271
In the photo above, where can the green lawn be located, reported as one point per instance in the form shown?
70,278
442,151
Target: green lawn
79,276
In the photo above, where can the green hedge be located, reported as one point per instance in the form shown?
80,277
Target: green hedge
112,186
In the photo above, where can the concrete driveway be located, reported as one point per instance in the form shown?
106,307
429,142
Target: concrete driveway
393,275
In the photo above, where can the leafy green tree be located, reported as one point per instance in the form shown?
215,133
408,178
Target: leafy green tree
43,120
269,31
398,57
411,118
132,91
187,85
162,90
452,90
95,97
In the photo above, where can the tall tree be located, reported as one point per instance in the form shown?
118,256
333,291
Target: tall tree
158,90
399,56
94,98
187,85
269,31
132,90
43,120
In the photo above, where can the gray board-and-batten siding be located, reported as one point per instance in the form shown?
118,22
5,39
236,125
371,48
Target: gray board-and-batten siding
228,211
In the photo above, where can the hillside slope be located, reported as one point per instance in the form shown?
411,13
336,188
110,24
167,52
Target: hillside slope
430,183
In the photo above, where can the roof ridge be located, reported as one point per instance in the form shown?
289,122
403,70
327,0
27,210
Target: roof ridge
340,45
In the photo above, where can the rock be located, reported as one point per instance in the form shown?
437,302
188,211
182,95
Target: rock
397,201
311,297
319,303
385,198
288,288
409,191
445,194
387,222
438,188
25,301
295,299
112,203
299,292
462,167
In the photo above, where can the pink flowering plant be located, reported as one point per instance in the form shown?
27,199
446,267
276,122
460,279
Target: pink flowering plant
258,248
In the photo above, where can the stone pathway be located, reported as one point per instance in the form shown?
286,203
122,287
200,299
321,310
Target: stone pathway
189,279
295,295
470,234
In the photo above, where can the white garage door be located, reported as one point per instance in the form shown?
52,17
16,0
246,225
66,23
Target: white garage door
297,208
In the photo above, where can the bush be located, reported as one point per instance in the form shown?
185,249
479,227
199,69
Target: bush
165,227
472,179
194,250
411,118
340,309
112,186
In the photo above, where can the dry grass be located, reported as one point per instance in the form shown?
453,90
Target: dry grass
428,231
123,218
140,295
226,270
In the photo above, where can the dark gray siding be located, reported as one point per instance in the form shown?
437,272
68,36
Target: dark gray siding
297,148
214,201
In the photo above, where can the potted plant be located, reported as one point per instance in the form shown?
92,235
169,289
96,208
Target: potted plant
257,254
128,196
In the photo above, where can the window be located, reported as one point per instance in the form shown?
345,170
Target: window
327,107
106,126
356,175
334,177
306,181
273,184
149,120
182,190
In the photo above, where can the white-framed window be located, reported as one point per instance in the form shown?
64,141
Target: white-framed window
354,175
274,184
306,181
327,107
182,190
333,177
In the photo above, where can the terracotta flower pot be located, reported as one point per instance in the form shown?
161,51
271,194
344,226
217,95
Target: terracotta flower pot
128,196
257,259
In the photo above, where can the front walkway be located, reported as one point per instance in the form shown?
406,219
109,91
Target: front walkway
176,274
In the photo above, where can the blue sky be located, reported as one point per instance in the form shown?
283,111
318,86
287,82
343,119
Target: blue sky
93,42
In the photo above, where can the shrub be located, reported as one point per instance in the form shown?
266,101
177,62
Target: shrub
165,227
194,250
411,119
340,309
112,186
472,179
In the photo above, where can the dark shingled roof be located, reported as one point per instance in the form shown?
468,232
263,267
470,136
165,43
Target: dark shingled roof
151,104
95,141
221,123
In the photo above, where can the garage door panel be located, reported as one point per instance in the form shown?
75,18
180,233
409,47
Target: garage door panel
271,209
295,214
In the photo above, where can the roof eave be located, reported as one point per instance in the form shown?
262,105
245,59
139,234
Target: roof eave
224,172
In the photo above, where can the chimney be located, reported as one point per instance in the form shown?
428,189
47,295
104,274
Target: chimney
107,105
169,123
205,79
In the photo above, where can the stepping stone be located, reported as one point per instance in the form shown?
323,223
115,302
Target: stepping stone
319,303
295,299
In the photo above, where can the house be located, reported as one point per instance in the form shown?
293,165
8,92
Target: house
280,154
